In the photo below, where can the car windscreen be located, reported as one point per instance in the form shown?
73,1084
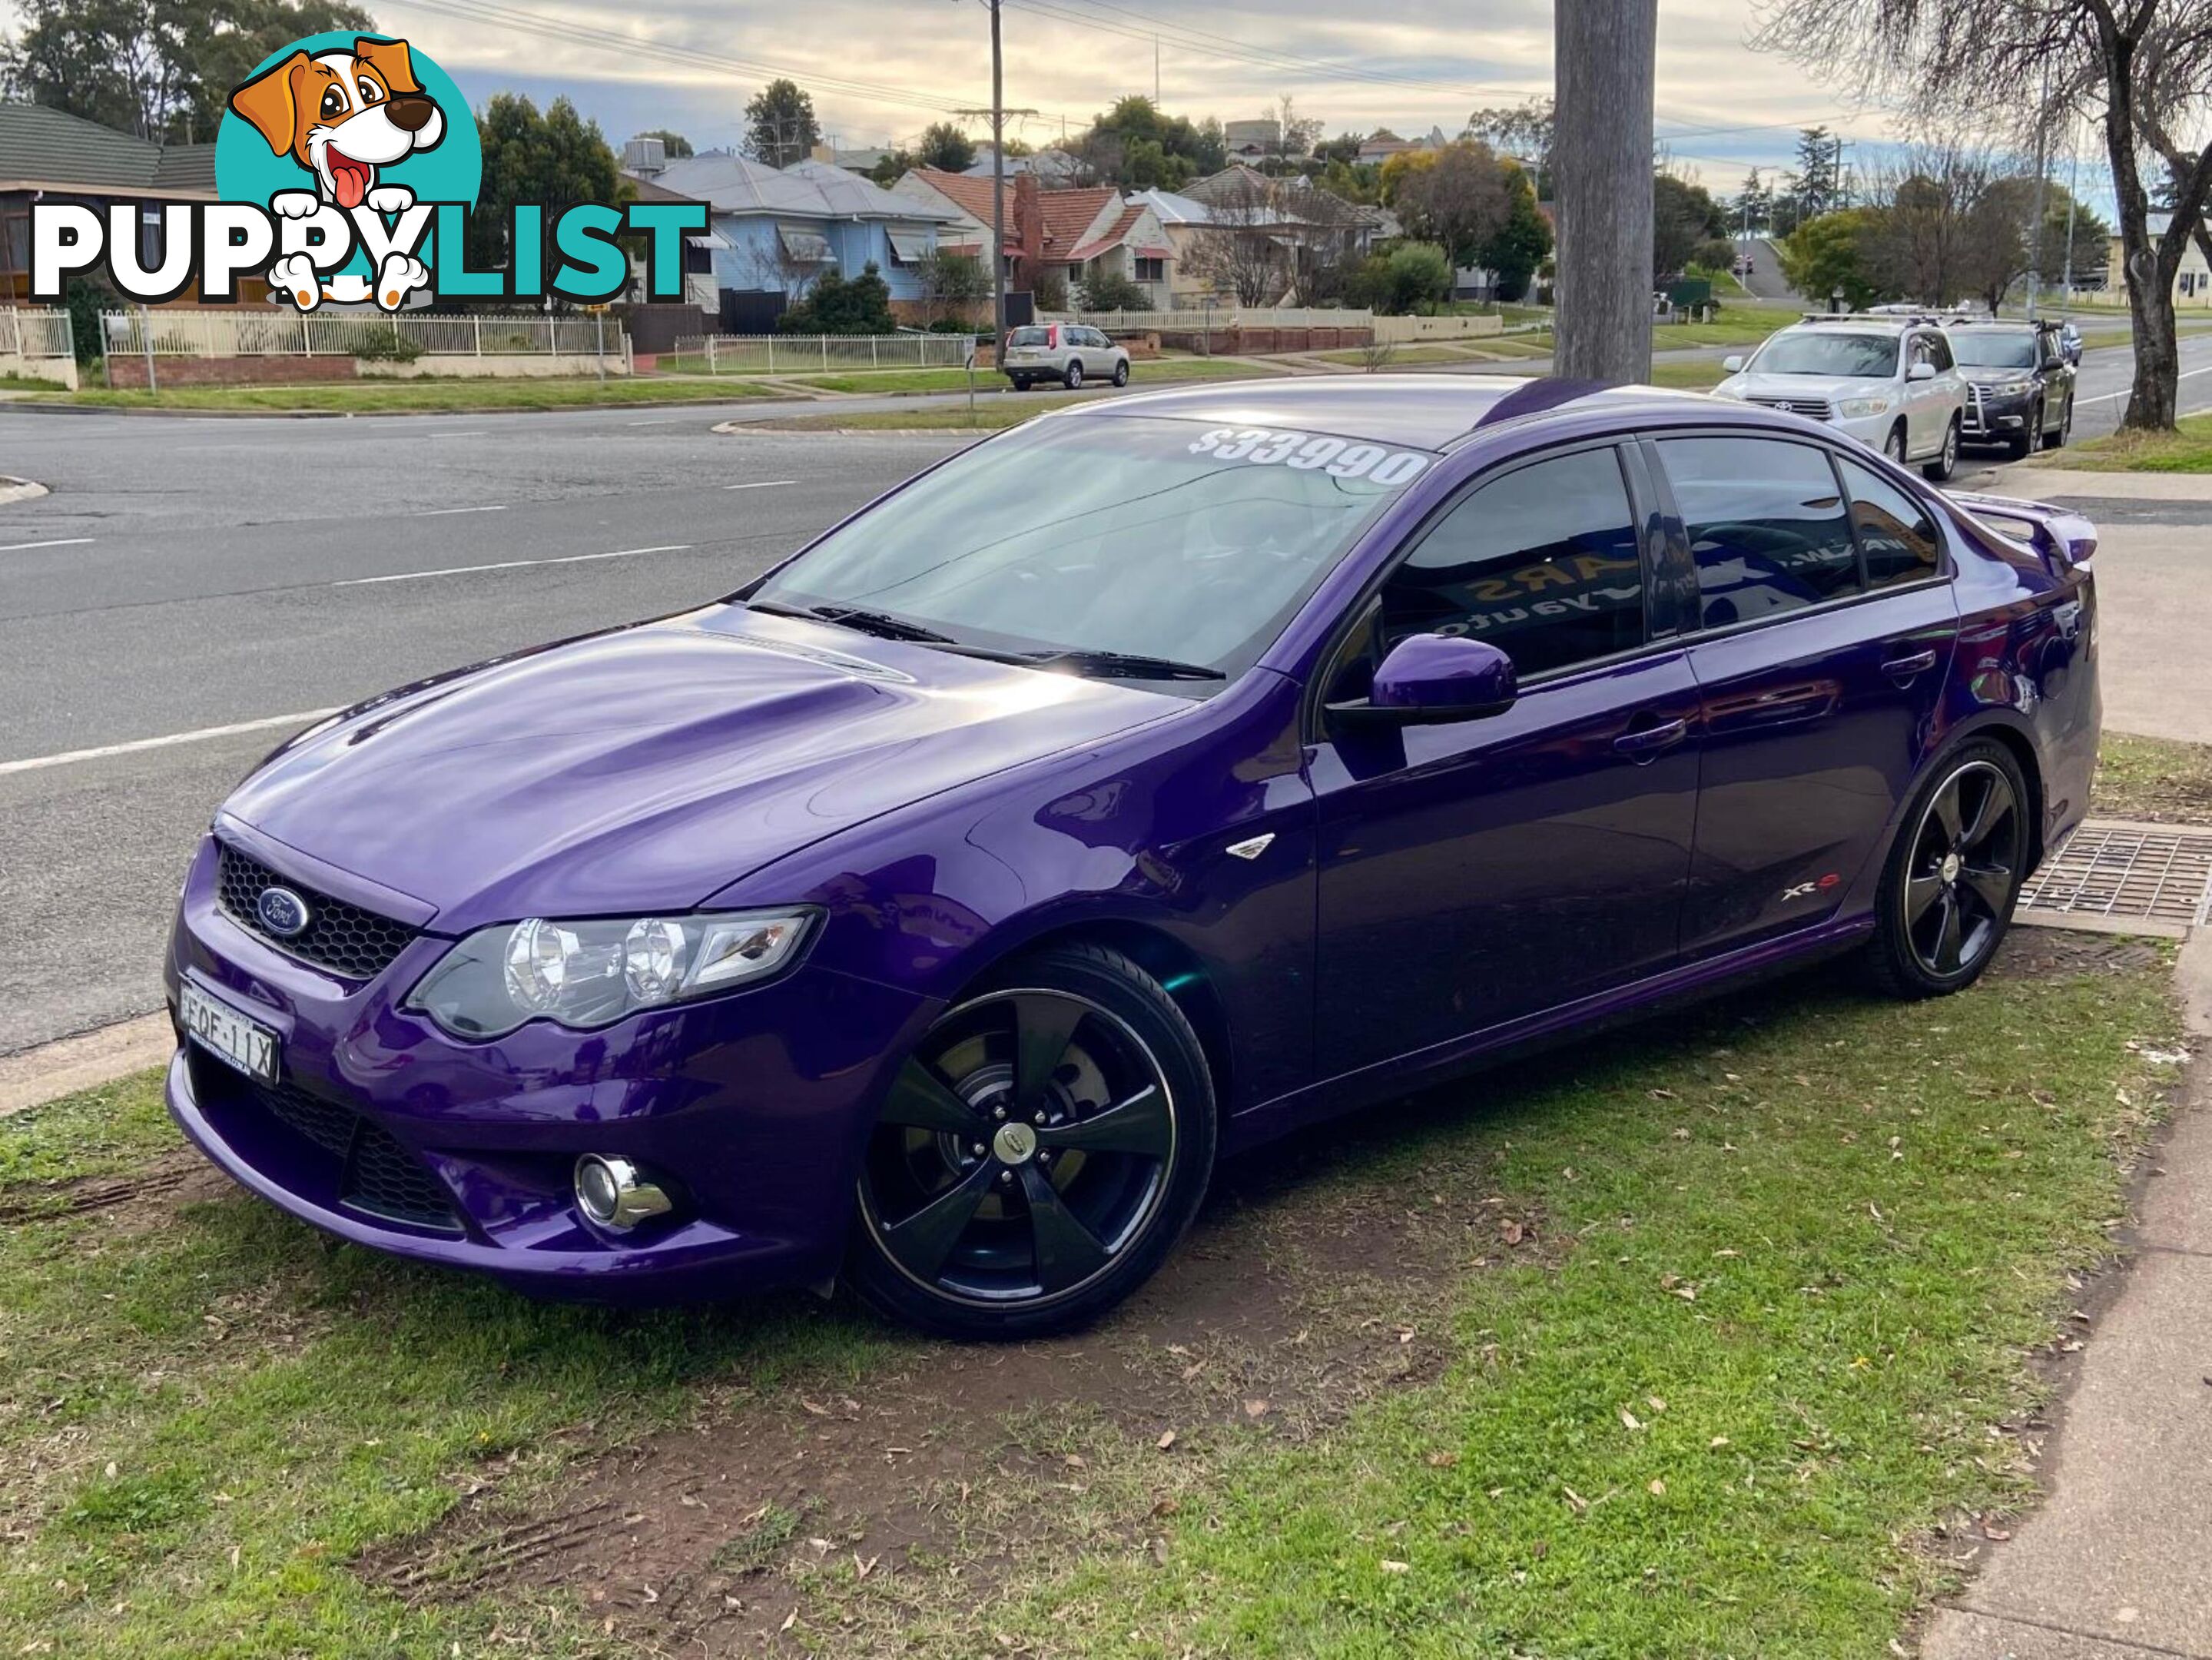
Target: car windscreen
1993,350
1144,535
1030,337
1819,351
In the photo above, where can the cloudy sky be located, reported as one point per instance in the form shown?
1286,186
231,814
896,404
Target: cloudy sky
881,70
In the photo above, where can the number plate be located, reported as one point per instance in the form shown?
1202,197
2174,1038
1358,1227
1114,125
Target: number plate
222,1031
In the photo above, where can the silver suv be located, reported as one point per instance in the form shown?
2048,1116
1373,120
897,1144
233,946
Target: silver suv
1889,381
1067,352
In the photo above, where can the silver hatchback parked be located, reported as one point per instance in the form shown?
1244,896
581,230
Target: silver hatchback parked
1067,352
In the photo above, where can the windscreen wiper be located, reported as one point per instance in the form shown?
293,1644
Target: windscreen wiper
882,624
1125,666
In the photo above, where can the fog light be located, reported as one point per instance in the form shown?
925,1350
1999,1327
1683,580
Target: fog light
613,1194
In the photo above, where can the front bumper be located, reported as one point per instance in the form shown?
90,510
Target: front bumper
752,1107
1988,420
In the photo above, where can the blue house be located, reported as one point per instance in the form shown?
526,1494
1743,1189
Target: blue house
775,231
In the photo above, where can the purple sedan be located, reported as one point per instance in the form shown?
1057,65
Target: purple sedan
1123,791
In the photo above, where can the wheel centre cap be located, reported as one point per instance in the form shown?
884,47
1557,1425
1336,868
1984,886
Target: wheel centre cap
1952,866
1014,1143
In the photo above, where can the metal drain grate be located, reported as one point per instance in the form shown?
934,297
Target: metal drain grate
2125,877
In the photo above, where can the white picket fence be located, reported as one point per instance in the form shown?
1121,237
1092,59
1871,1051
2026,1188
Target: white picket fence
174,333
802,354
34,331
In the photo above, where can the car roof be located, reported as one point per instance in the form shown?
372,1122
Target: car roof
1425,412
1855,322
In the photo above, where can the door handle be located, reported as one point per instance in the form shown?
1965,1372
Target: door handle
1645,742
1904,668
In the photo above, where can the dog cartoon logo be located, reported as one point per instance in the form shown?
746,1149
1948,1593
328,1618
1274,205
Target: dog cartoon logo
341,116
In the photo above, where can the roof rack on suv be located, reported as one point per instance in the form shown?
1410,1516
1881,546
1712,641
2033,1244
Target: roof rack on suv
1898,319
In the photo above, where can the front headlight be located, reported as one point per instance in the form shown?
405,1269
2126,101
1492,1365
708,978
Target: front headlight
1853,409
587,974
2010,389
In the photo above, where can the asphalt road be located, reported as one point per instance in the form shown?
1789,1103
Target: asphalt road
190,575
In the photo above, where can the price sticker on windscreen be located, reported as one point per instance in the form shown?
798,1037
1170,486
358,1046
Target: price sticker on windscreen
1339,458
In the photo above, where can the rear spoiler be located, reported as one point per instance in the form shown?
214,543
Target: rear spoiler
2065,540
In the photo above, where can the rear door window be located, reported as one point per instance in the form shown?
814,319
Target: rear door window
1767,526
1896,533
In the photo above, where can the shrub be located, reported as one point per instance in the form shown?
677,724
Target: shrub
835,305
392,347
1111,291
1049,289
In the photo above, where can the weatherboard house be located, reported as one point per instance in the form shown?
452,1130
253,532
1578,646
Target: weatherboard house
773,232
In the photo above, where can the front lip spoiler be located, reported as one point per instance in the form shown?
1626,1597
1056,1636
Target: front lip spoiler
720,1266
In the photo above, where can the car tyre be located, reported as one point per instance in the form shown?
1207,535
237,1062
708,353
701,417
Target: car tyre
2057,440
1945,463
1953,876
1022,382
1088,1093
2018,447
1073,379
1122,372
1893,446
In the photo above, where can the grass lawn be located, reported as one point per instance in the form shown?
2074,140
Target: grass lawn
2187,449
1681,1341
1702,375
29,383
420,397
2155,779
1739,326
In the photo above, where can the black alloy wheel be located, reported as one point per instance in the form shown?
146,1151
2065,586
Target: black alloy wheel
1039,1153
1954,876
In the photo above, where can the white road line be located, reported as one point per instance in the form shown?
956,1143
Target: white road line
2107,398
508,564
670,422
764,484
473,432
58,541
68,757
441,513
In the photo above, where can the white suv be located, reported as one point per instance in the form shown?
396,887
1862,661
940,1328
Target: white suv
1065,352
1888,381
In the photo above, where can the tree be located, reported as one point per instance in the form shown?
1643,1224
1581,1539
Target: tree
1457,197
557,161
1683,214
1520,244
1239,251
1751,210
162,69
955,284
2130,62
674,143
861,305
780,124
1811,185
1136,145
1298,132
1523,131
944,145
1828,256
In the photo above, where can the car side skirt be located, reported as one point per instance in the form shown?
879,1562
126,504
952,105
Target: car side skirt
1533,1033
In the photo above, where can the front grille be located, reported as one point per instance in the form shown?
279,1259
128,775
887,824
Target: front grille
377,1174
357,943
1813,409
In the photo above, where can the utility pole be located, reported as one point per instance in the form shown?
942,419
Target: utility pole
2073,195
998,112
2042,172
1606,52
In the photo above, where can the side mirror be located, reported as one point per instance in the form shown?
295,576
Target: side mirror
1921,372
1732,365
1431,678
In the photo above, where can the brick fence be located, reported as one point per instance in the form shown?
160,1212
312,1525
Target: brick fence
131,370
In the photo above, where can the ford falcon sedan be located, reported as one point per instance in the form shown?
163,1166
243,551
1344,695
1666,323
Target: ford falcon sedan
936,910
